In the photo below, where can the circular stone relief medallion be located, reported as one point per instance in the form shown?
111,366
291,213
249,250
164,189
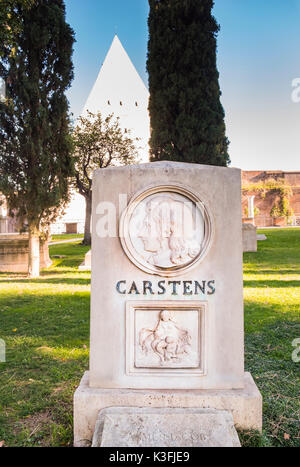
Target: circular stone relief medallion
165,230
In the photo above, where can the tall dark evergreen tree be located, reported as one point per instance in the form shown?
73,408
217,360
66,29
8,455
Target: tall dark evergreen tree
187,118
35,142
10,22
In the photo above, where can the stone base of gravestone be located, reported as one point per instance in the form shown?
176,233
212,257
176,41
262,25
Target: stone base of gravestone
152,427
14,250
86,264
245,404
249,238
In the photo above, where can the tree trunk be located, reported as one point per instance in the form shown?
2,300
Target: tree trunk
87,226
34,253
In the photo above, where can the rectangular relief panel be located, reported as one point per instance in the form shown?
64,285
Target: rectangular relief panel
165,337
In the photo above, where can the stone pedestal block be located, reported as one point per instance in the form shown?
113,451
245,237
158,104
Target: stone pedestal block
14,253
245,404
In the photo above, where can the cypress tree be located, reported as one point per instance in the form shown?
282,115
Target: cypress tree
187,118
10,22
35,142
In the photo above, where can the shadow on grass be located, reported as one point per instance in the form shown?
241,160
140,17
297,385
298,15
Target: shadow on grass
47,338
51,319
65,263
270,284
49,280
278,271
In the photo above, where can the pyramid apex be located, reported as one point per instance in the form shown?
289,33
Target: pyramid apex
118,82
116,38
115,49
119,90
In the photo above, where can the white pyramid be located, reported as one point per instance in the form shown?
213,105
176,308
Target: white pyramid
120,90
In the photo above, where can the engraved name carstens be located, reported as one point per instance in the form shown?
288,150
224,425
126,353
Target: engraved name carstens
164,287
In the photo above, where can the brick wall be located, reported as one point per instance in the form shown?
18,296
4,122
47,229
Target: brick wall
265,204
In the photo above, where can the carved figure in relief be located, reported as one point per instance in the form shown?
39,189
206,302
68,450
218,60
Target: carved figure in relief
167,340
168,233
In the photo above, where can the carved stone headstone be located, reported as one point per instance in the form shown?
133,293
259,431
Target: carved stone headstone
86,264
167,293
249,238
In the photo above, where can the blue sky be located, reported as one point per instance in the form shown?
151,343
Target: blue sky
258,58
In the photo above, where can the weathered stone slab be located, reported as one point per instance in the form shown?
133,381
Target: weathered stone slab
86,264
152,427
249,238
14,250
245,405
261,237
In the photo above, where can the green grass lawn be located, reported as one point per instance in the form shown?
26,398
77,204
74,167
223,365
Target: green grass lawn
45,324
62,237
272,322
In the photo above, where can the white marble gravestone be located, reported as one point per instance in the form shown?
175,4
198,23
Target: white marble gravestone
167,294
249,238
86,264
